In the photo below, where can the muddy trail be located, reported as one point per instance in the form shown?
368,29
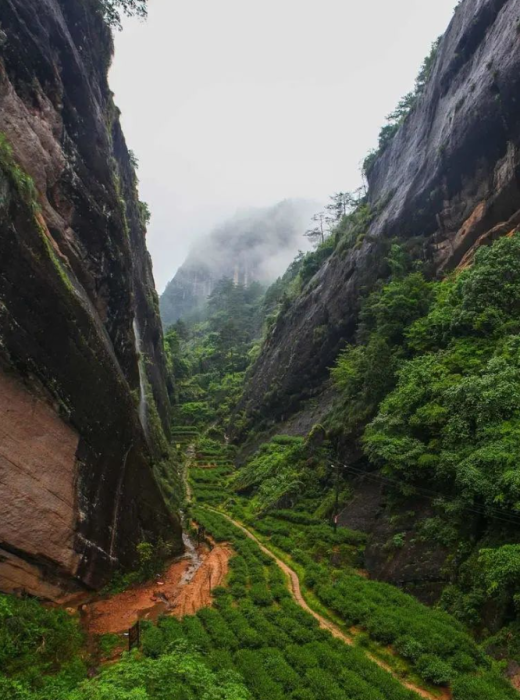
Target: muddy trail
183,589
326,624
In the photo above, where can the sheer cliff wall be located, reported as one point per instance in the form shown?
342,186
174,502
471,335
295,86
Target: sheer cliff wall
77,489
451,177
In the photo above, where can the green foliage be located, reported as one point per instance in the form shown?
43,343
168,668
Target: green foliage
366,372
278,647
435,670
35,642
144,213
113,10
152,558
438,365
168,474
431,642
279,471
310,540
178,673
108,643
24,185
279,294
196,413
483,687
437,371
23,182
453,417
502,569
312,262
207,358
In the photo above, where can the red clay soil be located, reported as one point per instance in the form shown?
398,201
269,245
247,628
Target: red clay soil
197,594
177,592
515,681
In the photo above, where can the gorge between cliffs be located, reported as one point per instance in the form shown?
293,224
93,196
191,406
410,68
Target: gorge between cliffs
295,474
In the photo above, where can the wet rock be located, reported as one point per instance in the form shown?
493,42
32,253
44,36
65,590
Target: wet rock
450,177
78,491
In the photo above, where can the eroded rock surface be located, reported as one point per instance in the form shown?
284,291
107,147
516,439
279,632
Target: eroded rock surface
450,176
37,486
448,183
76,289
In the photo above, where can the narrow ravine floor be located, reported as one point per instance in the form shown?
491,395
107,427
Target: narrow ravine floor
183,589
335,630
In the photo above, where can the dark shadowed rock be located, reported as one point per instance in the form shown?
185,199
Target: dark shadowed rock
77,308
450,175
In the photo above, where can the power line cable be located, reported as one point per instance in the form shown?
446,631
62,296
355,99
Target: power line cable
490,512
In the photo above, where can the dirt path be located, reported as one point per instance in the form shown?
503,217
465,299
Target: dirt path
295,586
335,630
183,589
180,591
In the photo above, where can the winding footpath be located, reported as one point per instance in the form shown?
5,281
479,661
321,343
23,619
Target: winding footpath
335,630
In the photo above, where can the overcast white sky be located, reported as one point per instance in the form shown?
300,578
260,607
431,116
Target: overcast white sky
233,103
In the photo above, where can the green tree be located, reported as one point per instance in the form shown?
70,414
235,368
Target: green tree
317,233
114,9
365,373
452,423
502,569
341,203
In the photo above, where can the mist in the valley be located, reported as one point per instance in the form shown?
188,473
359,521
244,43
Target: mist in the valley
230,105
256,243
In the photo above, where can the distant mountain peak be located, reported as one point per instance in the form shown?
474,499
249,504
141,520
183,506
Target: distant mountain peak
255,245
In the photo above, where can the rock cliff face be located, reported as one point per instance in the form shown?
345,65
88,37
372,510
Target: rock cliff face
451,176
256,245
448,182
80,337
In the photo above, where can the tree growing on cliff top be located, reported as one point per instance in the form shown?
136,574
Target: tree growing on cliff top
114,9
317,233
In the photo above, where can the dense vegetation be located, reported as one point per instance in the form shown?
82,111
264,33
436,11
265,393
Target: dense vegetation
42,658
436,372
208,357
255,643
279,649
39,651
430,390
411,638
430,386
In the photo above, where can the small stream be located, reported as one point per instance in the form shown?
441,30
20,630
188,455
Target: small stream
164,604
142,383
191,553
191,550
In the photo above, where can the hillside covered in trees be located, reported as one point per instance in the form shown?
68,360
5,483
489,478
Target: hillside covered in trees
338,439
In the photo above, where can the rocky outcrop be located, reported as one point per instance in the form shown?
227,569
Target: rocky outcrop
255,245
80,338
394,552
451,176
